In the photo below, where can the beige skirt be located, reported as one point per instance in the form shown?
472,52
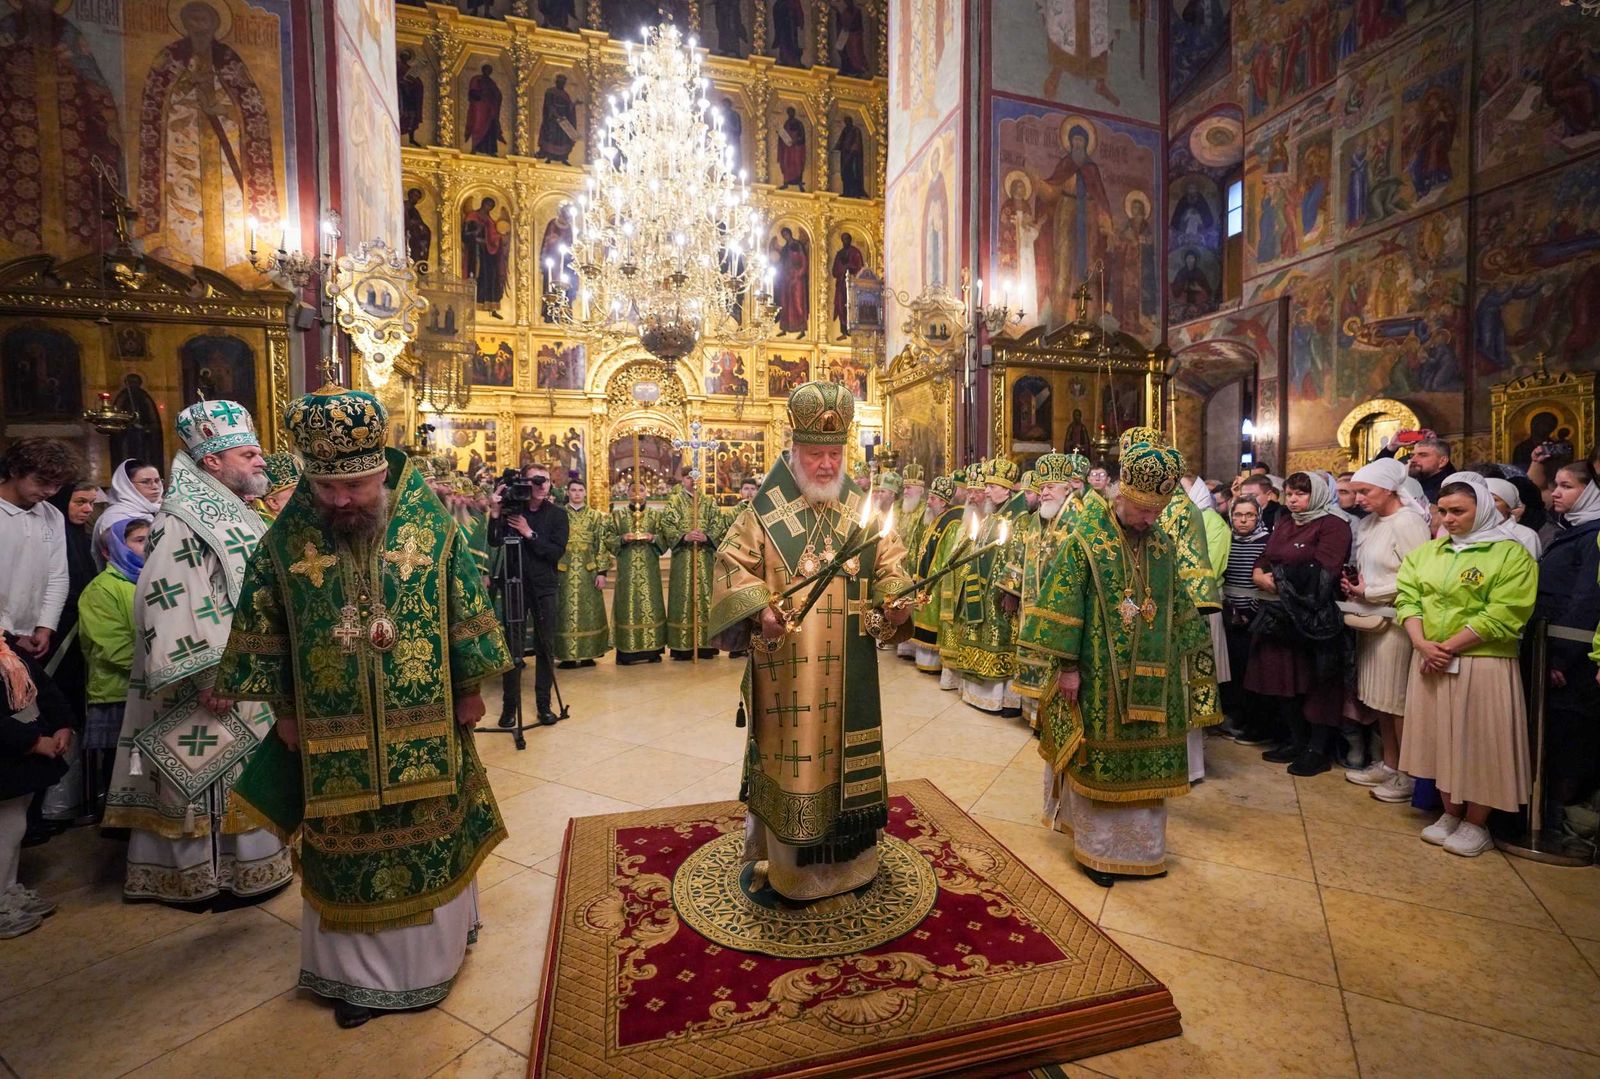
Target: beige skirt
1383,667
1468,732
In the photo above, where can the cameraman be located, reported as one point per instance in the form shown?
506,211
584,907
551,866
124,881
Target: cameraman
540,529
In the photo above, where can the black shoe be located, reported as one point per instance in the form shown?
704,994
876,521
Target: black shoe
567,665
679,653
1281,754
37,837
1309,764
1248,737
708,653
1011,713
350,1016
738,653
586,663
655,657
548,718
1105,880
508,721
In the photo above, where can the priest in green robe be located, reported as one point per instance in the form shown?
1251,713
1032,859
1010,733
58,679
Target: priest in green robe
1113,625
582,632
691,527
814,783
910,522
975,510
941,519
364,623
634,536
987,624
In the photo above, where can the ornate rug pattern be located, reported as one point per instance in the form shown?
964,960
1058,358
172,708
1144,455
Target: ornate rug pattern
1000,974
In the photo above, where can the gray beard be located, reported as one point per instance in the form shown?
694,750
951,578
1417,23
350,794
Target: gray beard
814,491
244,485
1048,509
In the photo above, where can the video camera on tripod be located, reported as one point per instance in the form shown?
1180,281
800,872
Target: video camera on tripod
517,493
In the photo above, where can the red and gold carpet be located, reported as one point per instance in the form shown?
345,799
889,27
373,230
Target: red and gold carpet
667,958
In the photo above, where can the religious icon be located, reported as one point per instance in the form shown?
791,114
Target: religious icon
733,39
852,151
558,275
419,237
41,375
786,376
218,366
850,38
558,14
412,91
847,262
205,129
791,259
789,32
792,150
558,124
143,440
483,132
486,253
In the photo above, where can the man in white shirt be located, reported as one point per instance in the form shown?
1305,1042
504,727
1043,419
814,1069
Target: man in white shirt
33,573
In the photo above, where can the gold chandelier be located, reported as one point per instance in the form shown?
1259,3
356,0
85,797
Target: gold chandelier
666,245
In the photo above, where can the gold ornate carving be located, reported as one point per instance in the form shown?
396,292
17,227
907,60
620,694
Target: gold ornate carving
1568,398
1362,428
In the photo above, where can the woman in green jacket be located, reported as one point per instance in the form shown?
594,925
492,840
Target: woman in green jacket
105,624
1463,601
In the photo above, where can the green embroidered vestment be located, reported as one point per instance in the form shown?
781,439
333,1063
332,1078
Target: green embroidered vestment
638,611
582,631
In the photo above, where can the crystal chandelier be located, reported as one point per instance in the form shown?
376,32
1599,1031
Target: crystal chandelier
665,243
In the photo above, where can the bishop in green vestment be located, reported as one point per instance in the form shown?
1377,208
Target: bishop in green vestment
582,632
950,593
911,522
986,658
814,783
1060,478
364,623
638,611
1113,625
691,527
941,526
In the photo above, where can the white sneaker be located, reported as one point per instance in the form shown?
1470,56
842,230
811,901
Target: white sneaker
1371,776
1441,830
1469,840
29,901
14,921
1397,788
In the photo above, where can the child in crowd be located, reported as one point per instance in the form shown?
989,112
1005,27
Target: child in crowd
105,619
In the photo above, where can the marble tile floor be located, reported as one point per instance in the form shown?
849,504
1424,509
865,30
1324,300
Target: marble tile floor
1302,927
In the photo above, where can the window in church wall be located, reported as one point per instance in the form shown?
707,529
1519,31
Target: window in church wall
1233,244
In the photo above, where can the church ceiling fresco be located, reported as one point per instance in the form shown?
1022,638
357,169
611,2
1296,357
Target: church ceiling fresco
1197,43
1201,161
1103,55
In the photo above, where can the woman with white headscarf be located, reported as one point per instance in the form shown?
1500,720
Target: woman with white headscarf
1296,657
1382,539
1464,601
1569,599
1508,500
136,490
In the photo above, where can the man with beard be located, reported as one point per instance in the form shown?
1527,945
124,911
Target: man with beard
582,633
1060,479
910,524
940,520
814,783
976,510
185,736
363,620
1113,624
986,656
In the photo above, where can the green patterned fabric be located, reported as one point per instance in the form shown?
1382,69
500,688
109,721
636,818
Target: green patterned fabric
582,631
686,625
1125,737
638,609
986,645
1181,520
390,798
934,545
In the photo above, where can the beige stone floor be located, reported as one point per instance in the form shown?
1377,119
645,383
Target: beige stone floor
1303,928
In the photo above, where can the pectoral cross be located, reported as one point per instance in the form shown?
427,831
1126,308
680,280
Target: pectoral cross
792,757
348,631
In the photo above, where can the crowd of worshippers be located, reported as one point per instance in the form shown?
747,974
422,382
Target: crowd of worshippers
1381,621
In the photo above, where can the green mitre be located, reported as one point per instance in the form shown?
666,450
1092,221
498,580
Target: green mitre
1150,474
820,414
283,472
339,432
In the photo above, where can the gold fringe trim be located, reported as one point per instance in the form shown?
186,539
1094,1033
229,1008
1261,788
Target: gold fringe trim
333,807
376,917
148,820
244,809
337,745
1149,795
416,792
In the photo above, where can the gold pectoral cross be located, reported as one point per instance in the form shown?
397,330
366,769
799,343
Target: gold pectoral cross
348,632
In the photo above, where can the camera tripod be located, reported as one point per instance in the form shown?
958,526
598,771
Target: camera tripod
514,622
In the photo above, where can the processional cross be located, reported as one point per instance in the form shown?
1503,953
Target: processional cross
695,445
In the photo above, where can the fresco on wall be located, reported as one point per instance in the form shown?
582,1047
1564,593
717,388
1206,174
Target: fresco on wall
924,222
1288,180
1092,54
1073,192
1403,130
1197,38
1402,317
925,51
183,103
741,454
1284,49
1201,162
1538,92
1537,247
369,100
560,366
560,449
1213,352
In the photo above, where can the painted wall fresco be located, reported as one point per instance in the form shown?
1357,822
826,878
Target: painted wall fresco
186,104
926,46
1197,43
1214,352
1284,49
925,226
1073,191
1538,92
1201,162
1090,54
1288,181
563,450
741,453
1403,130
1536,248
369,146
1402,318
